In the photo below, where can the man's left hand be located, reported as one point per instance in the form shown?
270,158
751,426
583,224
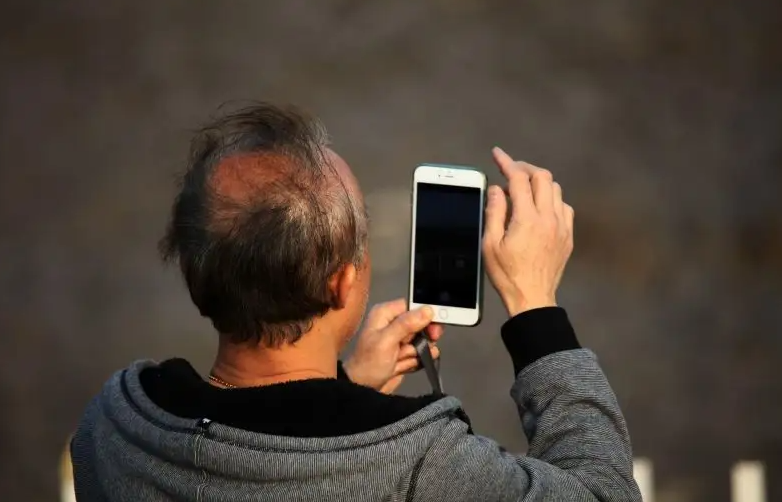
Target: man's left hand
384,352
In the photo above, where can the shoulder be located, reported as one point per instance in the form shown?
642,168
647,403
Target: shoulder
461,465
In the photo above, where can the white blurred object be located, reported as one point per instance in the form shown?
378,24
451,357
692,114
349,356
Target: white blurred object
67,492
748,482
644,476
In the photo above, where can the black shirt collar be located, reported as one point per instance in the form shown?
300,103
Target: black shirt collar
303,408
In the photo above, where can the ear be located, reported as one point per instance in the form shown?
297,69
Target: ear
341,284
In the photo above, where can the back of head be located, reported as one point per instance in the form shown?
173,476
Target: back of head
262,221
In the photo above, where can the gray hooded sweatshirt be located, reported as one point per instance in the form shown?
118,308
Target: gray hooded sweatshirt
128,449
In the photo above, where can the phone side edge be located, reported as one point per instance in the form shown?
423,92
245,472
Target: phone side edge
481,267
411,239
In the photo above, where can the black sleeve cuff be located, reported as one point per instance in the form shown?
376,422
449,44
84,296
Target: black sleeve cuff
341,374
538,333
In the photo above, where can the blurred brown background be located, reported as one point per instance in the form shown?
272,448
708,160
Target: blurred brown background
661,118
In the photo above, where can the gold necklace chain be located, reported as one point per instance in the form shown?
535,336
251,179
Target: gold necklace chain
221,382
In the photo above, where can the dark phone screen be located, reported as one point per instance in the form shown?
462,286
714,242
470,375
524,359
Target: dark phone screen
447,243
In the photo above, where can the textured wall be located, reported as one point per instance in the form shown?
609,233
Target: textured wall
662,118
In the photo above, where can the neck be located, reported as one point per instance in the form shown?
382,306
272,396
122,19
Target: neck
315,355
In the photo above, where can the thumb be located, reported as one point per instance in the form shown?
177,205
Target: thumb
496,214
408,324
383,314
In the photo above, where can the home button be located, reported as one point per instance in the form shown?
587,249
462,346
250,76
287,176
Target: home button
442,314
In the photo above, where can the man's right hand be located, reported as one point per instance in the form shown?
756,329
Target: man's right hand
526,259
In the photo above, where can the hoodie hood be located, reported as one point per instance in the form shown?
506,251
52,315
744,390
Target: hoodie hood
142,452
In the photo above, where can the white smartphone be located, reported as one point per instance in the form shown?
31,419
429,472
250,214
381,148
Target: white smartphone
446,267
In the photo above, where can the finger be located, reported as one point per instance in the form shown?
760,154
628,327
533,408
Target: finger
406,366
496,215
411,364
509,167
407,351
518,175
434,331
504,161
406,325
543,190
570,215
392,384
383,314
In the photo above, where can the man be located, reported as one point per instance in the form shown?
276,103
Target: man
270,232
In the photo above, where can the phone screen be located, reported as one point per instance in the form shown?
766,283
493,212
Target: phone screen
447,245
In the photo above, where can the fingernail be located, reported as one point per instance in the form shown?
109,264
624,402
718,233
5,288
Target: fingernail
427,312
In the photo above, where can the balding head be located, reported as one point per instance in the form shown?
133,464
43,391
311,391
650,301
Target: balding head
267,214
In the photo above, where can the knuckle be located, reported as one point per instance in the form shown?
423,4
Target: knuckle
404,319
525,167
486,247
548,219
520,169
542,174
409,321
518,176
569,246
549,223
491,244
